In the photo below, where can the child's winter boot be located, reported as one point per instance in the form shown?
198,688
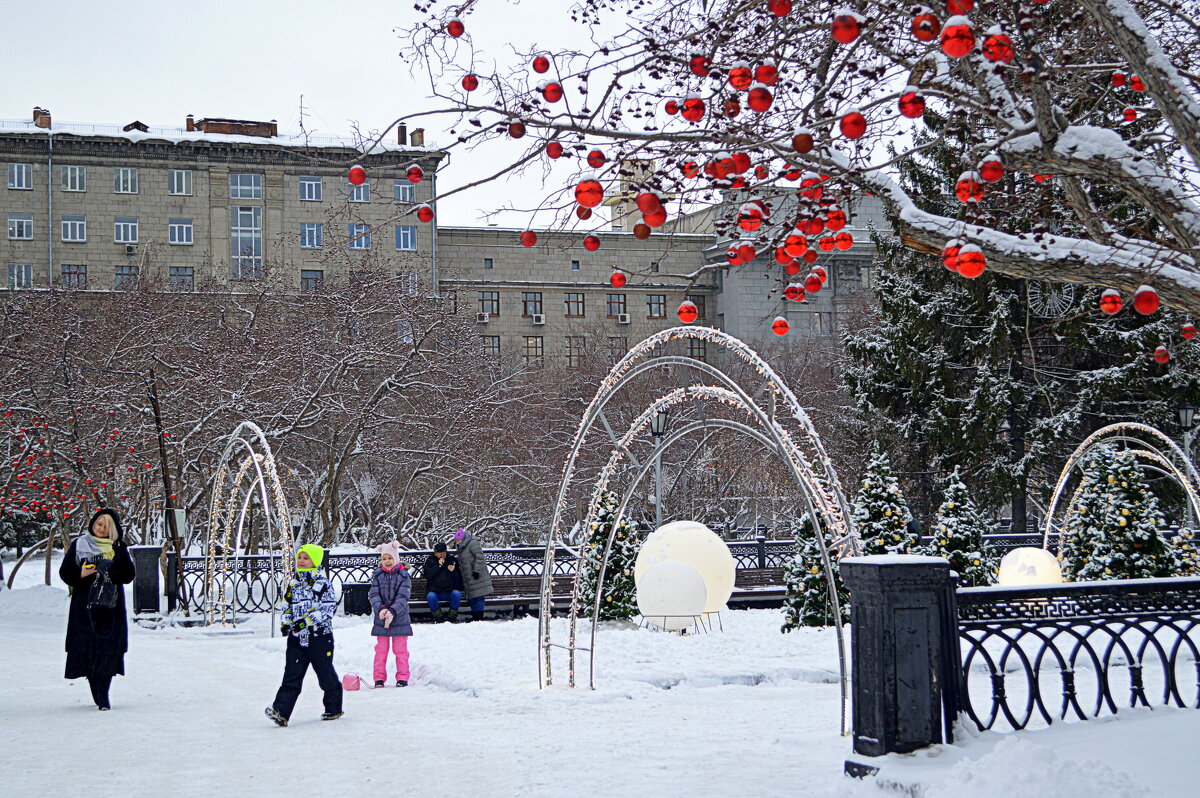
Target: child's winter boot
453,616
436,616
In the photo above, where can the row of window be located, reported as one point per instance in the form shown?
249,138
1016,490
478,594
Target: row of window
574,304
74,229
242,185
489,263
75,276
575,349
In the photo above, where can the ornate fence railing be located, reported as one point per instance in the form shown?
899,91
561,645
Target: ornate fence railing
255,587
1037,655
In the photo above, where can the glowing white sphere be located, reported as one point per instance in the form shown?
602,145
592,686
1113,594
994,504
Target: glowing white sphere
1029,566
699,547
671,595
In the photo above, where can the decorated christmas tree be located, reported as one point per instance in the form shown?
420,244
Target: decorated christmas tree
1187,552
619,601
807,602
957,535
1115,529
881,515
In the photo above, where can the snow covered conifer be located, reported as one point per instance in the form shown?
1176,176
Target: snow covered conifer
619,600
807,602
958,535
881,515
1187,551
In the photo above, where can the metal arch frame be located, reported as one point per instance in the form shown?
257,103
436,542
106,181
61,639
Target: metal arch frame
1186,476
221,510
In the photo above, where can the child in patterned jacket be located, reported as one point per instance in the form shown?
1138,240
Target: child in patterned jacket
310,603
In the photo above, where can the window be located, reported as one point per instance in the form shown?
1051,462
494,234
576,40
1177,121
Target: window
245,186
656,306
616,305
819,324
532,351
74,178
698,301
488,263
312,235
654,266
489,302
405,191
573,306
125,230
360,236
531,303
406,237
179,182
491,345
126,278
574,265
361,193
125,180
20,226
20,275
311,280
404,331
74,276
245,241
182,278
451,300
697,349
410,283
573,351
20,176
311,189
74,228
179,232
617,347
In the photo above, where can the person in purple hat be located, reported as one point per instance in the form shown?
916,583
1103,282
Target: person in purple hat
477,581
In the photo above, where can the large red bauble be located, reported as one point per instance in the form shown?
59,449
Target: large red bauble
671,107
991,169
690,169
552,92
591,243
794,292
782,257
617,280
750,218
926,27
811,227
845,28
795,245
826,244
687,312
589,193
779,326
780,8
1136,84
648,202
958,38
835,219
998,48
357,175
1042,178
415,174
732,108
528,238
1188,331
541,64
760,99
740,76
1145,300
959,6
766,73
733,257
455,27
554,149
693,109
912,105
741,163
656,218
802,142
822,275
747,252
950,254
699,66
853,125
1161,355
971,262
596,159
516,129
1129,114
969,187
810,186
761,172
425,213
470,82
641,231
1118,79
813,284
844,240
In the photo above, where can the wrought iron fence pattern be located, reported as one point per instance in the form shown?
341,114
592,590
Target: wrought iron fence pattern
1038,655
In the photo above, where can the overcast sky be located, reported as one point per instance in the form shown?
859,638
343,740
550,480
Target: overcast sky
160,60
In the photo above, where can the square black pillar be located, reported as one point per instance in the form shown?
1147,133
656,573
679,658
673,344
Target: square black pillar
900,643
145,580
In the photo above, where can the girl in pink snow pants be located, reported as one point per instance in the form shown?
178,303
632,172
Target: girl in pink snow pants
390,588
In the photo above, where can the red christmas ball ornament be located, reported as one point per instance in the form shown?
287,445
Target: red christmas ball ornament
958,37
733,257
618,279
415,174
844,240
589,193
971,263
1161,354
1145,300
802,141
813,284
991,169
795,245
656,218
516,129
1188,331
591,243
811,227
741,163
1118,79
845,28
998,48
541,64
780,326
693,109
1130,114
826,244
761,172
750,218
853,125
1136,84
641,231
822,275
760,99
783,258
424,213
552,92
780,8
528,238
794,292
699,65
687,311
766,73
740,76
671,107
554,149
455,27
950,254
926,26
731,108
912,105
959,6
470,82
835,220
596,158
357,175
1042,178
648,202
810,186
969,187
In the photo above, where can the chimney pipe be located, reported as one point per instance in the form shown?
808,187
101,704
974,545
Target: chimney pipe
190,123
417,137
41,117
402,134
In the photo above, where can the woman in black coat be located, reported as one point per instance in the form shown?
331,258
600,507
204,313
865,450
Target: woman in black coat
97,637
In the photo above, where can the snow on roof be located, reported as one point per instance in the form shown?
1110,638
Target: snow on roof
178,135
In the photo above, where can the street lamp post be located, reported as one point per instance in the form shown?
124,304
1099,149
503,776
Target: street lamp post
658,427
1187,418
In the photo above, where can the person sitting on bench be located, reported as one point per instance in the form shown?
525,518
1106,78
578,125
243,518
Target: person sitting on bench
443,582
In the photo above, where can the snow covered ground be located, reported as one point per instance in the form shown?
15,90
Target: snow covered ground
747,712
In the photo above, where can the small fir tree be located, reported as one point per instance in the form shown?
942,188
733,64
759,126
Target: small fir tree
881,515
958,533
1115,531
807,602
1187,552
619,601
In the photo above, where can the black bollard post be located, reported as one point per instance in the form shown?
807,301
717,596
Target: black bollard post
145,580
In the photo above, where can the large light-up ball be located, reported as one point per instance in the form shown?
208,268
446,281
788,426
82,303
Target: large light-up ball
699,547
671,595
1029,566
